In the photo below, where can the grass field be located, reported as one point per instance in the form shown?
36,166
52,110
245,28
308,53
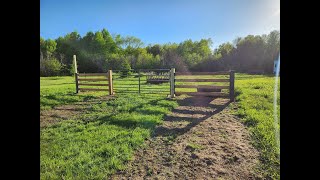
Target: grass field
255,96
55,91
103,139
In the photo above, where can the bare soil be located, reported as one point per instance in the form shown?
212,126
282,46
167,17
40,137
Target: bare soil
200,139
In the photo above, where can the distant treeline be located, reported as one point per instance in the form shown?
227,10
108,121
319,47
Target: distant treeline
100,51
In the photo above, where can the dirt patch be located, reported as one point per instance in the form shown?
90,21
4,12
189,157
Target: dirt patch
64,112
200,139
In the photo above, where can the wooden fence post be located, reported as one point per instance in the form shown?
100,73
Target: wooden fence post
110,82
231,86
172,85
139,81
76,72
77,85
75,64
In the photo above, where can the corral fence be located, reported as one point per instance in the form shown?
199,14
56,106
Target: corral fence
158,81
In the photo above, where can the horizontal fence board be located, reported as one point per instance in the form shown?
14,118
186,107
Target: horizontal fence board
124,85
215,94
202,86
202,73
89,79
165,93
80,84
158,80
92,89
93,74
127,75
202,80
120,79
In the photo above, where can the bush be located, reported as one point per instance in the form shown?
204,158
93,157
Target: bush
125,66
119,62
50,67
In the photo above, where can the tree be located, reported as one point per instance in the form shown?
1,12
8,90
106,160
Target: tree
130,42
47,47
155,49
101,51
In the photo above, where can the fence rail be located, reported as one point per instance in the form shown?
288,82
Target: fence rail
93,74
202,80
202,90
156,75
203,73
202,86
81,77
81,84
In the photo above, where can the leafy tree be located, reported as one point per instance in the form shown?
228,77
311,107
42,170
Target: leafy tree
52,67
101,51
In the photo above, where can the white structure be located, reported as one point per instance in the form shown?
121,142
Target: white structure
276,63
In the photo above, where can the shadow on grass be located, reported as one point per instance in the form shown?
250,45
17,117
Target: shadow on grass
194,110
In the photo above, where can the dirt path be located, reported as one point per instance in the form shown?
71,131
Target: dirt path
59,113
200,139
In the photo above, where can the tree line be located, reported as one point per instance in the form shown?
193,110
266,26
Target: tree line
101,51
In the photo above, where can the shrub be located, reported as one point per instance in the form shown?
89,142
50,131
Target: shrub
50,67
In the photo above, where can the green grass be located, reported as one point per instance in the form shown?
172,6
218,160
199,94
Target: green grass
255,96
194,146
102,140
55,91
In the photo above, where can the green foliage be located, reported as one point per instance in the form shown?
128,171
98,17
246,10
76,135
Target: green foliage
51,67
146,60
99,51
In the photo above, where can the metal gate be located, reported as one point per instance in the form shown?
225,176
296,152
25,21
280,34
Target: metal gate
141,81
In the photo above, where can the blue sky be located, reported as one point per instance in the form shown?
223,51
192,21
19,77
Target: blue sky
161,21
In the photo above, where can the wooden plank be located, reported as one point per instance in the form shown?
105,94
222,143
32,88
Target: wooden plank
93,74
203,73
81,84
231,90
172,82
202,80
92,89
202,86
213,94
155,80
77,84
96,79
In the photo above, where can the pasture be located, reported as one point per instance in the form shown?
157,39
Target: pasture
101,140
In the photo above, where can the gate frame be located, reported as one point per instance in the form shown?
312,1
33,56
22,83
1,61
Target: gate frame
231,80
140,74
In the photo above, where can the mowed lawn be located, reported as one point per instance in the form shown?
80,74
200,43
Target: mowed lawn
103,139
